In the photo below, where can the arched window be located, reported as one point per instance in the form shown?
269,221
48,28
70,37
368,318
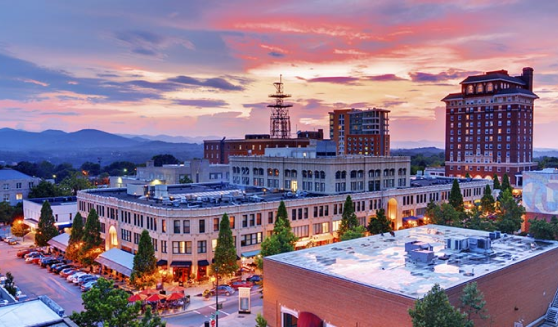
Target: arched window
269,172
343,174
489,87
353,173
322,174
469,89
309,174
479,88
338,175
276,171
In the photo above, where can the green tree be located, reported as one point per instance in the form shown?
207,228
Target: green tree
282,240
445,214
541,229
45,228
487,200
91,168
185,180
467,175
473,303
475,220
435,310
353,233
508,219
120,168
75,241
282,214
380,224
145,263
506,183
164,159
9,284
91,239
455,197
108,306
75,182
497,185
225,252
349,219
19,229
6,212
260,321
47,190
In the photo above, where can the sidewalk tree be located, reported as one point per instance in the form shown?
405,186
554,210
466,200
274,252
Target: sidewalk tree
497,185
349,219
45,228
473,303
260,321
380,224
225,252
455,197
506,183
508,219
6,212
108,306
487,200
282,214
542,229
76,238
92,241
282,240
434,309
445,214
353,233
19,229
145,263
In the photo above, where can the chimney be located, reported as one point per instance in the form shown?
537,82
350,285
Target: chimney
527,77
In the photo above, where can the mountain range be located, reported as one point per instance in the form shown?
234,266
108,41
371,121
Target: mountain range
87,145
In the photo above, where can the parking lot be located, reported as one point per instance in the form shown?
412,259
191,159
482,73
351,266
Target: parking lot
34,281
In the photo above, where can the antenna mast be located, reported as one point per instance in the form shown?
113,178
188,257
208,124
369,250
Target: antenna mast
280,122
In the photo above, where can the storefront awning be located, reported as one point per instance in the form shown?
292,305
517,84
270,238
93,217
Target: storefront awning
61,226
203,263
302,242
60,241
412,218
181,264
322,237
162,262
118,260
250,253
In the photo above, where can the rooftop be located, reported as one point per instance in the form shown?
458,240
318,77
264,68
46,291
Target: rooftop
33,313
8,174
493,76
381,261
61,200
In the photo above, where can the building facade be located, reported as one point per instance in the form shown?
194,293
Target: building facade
363,132
540,194
15,186
197,170
489,126
64,210
219,151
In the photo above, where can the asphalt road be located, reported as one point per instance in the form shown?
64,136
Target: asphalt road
35,281
197,317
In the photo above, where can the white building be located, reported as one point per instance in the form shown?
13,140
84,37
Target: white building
197,170
64,210
15,186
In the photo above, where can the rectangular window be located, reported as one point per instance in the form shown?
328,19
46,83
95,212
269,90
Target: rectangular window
252,220
202,246
154,241
232,221
215,224
259,219
186,226
244,221
177,226
201,224
164,225
163,246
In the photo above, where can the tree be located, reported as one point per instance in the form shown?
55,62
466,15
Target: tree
541,229
349,219
508,219
435,310
467,175
6,212
380,224
487,200
120,168
282,240
9,284
497,185
75,182
185,180
91,239
45,228
75,241
445,214
225,252
282,214
164,159
145,263
455,197
353,233
108,306
19,229
260,321
47,190
506,183
477,221
91,168
473,303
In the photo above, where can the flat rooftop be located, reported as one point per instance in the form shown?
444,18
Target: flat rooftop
381,261
30,313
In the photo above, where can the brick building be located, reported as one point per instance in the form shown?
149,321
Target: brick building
218,151
373,281
489,126
364,132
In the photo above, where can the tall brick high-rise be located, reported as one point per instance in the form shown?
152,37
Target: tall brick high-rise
489,125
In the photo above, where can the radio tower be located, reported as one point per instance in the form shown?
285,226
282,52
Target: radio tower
280,122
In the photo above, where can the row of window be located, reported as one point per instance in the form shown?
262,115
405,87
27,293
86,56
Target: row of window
18,185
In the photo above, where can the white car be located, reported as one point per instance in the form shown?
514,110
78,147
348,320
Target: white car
73,277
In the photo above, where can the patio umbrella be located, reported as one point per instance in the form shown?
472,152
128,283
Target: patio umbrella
175,296
137,297
155,298
173,289
149,291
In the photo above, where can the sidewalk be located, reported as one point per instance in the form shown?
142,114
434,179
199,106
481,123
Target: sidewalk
241,320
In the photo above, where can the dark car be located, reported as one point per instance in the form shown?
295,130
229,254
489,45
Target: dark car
53,266
255,278
68,271
84,280
45,261
223,290
240,283
59,268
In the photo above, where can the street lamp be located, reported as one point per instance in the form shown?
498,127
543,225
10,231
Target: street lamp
216,296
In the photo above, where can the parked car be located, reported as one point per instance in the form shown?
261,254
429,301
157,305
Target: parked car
87,280
255,278
7,239
77,279
22,253
13,242
223,290
68,271
240,283
59,268
37,260
46,261
87,286
75,275
32,256
53,266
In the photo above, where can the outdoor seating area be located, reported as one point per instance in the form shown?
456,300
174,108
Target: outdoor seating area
171,300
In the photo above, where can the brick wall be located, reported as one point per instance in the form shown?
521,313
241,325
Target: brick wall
521,291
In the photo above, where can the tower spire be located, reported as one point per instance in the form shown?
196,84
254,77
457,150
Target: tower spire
280,121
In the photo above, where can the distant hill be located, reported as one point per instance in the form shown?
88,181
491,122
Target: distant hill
428,151
86,145
171,139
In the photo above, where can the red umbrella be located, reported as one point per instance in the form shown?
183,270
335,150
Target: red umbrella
137,297
149,291
173,289
155,298
175,296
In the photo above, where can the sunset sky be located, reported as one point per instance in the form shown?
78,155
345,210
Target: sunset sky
205,68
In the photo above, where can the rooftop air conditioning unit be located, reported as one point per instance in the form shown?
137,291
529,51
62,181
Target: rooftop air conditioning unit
458,244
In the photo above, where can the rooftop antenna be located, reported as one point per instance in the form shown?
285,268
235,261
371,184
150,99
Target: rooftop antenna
280,122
